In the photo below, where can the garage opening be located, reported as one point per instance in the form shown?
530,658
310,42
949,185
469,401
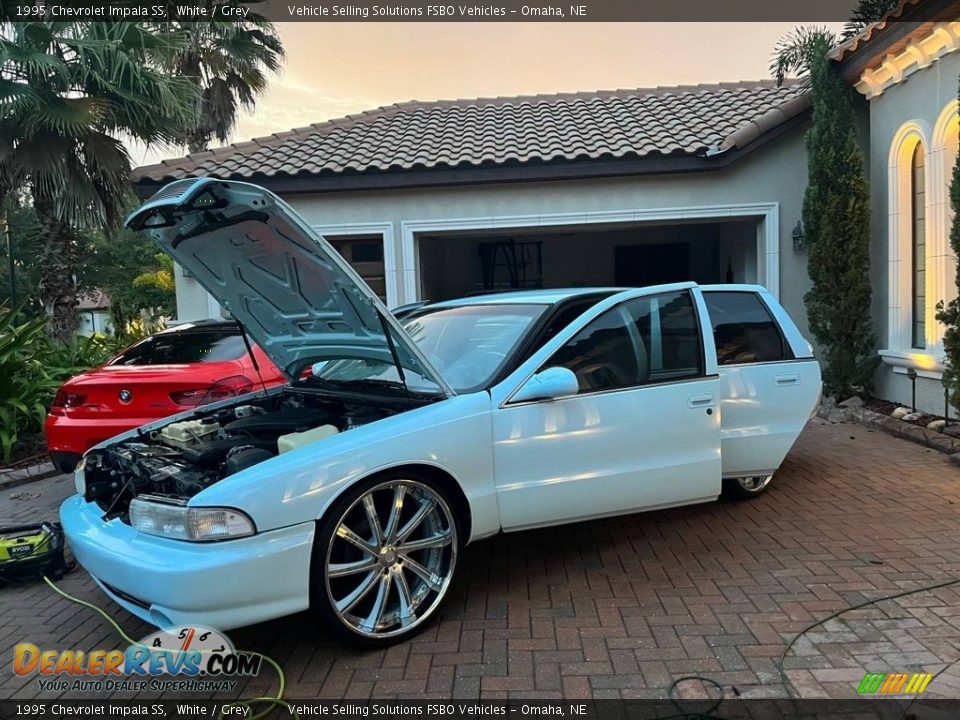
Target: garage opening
459,264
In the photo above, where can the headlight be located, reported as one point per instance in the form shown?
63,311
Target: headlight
195,524
80,477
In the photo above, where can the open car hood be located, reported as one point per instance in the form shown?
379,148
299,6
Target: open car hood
292,291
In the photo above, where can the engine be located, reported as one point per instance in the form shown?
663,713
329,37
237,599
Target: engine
182,458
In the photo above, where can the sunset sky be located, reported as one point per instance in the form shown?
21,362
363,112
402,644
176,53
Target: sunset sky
334,69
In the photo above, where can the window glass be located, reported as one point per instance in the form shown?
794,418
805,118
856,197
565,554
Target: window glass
184,346
466,345
647,340
743,329
919,250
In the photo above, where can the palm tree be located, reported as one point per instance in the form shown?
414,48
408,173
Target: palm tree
69,94
793,52
228,62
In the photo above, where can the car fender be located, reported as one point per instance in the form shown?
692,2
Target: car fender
453,435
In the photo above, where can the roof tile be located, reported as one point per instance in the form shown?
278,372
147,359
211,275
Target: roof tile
539,128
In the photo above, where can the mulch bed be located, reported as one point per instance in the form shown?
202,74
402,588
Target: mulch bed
27,451
886,407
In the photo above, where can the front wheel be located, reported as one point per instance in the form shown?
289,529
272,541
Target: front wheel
384,559
746,488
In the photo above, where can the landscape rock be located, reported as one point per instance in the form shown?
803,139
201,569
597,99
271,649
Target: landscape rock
852,402
937,425
900,412
910,416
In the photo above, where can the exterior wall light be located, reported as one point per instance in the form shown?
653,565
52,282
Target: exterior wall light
798,236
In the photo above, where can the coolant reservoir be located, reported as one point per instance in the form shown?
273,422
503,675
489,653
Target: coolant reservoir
189,432
291,441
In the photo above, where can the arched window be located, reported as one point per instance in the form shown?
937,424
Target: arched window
918,247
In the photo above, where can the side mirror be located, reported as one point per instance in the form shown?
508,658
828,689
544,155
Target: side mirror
549,384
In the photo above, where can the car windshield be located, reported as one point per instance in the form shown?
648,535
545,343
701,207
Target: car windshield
184,346
467,345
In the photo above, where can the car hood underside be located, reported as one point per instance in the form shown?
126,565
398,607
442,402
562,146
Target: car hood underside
291,290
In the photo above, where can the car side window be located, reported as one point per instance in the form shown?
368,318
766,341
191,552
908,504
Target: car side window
743,329
643,341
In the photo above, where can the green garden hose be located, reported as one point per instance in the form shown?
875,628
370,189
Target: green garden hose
271,702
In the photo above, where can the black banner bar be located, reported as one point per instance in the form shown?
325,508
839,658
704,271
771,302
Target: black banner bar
727,709
807,11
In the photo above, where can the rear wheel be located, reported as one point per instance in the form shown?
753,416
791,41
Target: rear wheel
384,559
746,488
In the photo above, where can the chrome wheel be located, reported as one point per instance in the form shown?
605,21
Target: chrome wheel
754,484
390,558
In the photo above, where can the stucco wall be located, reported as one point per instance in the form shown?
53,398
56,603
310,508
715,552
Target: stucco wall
775,173
919,99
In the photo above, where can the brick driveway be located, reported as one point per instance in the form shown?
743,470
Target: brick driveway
622,607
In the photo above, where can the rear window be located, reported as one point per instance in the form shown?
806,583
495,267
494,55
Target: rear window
743,329
190,346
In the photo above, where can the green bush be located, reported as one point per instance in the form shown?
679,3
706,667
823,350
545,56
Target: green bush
32,367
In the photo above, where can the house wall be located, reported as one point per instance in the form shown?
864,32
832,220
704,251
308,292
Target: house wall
774,174
921,108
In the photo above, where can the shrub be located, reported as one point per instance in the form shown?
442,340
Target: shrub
32,367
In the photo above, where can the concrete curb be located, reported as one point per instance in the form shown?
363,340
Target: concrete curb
946,444
14,478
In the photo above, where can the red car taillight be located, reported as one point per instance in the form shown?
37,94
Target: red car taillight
66,400
220,390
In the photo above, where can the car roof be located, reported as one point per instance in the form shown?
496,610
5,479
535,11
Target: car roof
525,297
200,325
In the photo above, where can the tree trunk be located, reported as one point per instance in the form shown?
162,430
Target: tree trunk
197,142
58,261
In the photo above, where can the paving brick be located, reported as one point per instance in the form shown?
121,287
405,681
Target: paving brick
624,606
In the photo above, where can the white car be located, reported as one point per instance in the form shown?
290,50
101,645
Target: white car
351,490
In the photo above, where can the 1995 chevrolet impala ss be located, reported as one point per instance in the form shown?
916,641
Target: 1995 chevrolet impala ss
351,490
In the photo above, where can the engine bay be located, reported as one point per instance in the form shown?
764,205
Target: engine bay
180,459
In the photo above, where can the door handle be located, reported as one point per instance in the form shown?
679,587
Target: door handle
701,401
781,380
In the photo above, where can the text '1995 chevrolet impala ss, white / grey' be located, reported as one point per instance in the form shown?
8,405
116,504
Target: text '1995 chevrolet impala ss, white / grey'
351,490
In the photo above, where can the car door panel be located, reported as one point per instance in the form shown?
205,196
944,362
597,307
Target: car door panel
770,381
611,451
765,408
605,453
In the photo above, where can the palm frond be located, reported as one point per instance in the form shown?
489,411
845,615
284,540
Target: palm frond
866,13
793,52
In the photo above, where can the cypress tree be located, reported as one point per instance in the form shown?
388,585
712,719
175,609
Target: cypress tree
836,215
949,314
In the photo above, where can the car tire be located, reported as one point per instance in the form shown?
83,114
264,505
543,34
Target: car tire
746,488
383,559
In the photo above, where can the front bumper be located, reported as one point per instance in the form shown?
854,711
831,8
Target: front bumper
221,585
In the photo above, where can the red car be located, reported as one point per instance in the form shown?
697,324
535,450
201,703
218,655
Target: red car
179,368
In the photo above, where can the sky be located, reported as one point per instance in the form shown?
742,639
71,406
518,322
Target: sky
334,69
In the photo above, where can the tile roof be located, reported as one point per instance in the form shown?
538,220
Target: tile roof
607,125
854,43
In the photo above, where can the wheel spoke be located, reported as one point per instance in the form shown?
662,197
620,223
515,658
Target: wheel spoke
372,518
434,541
337,570
405,612
432,580
393,522
372,621
426,507
359,593
345,533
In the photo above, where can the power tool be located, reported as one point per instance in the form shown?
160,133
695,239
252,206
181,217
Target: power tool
32,551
